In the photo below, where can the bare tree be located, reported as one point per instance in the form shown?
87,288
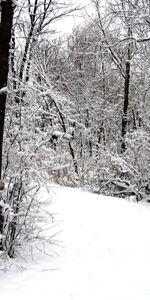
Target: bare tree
33,21
5,36
122,13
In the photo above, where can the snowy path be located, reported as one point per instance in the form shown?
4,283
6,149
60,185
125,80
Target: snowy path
106,254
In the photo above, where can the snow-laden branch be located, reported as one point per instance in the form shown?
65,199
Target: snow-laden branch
59,134
3,90
147,39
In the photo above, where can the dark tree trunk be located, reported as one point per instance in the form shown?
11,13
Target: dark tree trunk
87,124
12,61
5,36
125,106
126,86
28,41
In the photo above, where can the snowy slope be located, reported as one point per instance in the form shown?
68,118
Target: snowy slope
105,253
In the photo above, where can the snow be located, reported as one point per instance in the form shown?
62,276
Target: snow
103,253
60,134
3,90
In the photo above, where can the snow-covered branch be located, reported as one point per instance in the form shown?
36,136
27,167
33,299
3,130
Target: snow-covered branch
4,90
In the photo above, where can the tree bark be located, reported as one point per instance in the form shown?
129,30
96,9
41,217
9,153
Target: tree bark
5,36
125,106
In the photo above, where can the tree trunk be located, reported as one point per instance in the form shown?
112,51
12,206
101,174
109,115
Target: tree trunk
5,36
125,106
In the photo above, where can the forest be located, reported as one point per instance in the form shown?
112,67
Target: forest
76,108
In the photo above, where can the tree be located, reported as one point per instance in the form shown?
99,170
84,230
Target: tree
5,36
101,71
24,168
32,25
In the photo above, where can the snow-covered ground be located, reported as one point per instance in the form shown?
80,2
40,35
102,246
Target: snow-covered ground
104,252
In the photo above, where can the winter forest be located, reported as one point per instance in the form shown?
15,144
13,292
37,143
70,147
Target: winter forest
75,110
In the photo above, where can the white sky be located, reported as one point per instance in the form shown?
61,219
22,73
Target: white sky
66,25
